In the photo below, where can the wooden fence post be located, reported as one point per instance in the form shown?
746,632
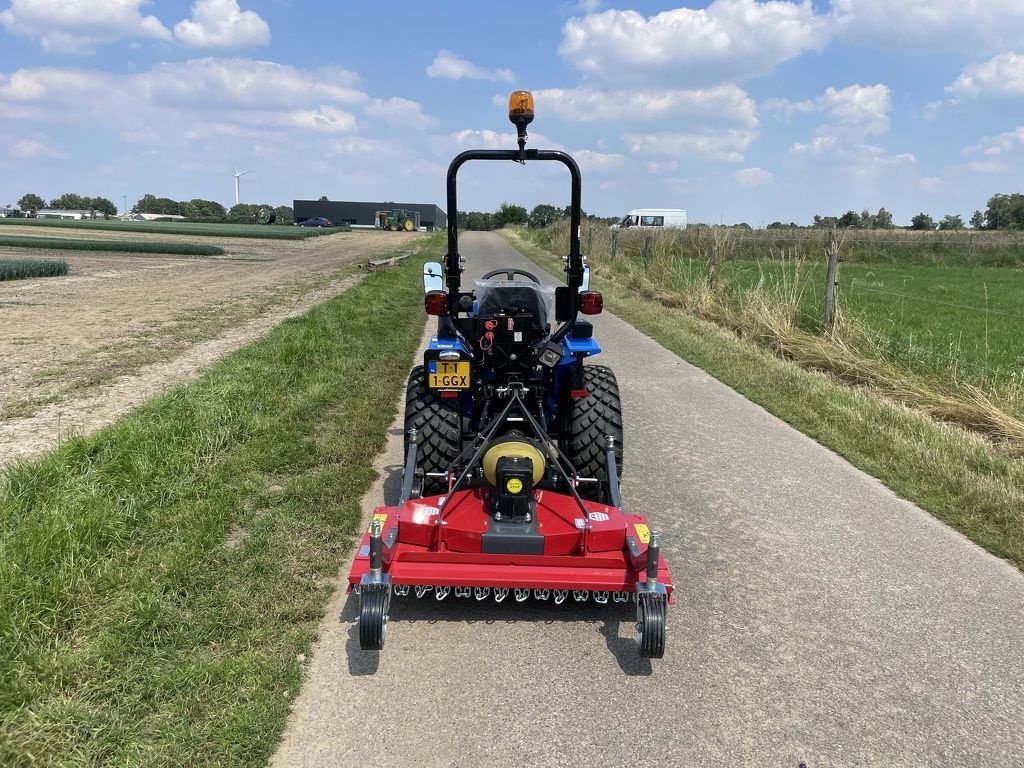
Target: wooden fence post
712,262
590,239
831,281
615,239
648,242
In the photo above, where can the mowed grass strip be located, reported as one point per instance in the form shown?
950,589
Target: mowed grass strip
24,269
160,579
120,246
957,477
191,229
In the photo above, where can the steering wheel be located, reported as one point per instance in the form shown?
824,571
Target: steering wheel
510,273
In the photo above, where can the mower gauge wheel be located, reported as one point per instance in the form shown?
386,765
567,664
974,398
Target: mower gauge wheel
651,612
374,604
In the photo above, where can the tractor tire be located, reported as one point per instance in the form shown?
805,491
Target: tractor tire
408,225
590,419
438,425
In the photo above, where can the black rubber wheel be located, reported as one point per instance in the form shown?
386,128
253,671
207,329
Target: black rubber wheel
438,426
373,617
590,419
651,610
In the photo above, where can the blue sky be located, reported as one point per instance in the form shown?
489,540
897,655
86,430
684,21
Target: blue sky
736,110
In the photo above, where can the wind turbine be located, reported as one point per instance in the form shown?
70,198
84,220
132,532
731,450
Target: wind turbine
237,177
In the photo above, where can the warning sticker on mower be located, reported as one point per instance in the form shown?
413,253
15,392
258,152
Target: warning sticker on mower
380,516
598,517
643,532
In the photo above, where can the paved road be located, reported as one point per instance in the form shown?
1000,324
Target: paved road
820,619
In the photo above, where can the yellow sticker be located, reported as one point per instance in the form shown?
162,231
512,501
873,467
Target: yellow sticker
643,532
382,517
514,485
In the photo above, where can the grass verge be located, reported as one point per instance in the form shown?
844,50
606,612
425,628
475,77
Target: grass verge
160,580
956,476
121,246
24,269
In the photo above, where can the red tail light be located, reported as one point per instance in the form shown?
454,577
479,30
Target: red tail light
591,302
436,303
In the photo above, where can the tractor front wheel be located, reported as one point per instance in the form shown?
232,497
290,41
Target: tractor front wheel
591,419
438,425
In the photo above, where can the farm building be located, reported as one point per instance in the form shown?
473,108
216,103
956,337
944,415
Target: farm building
364,214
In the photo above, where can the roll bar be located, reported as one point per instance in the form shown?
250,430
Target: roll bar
574,263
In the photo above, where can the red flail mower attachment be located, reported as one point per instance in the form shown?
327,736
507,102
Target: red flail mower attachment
508,538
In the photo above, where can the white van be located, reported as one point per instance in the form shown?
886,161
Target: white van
674,218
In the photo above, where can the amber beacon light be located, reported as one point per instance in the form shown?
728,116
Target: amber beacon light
520,108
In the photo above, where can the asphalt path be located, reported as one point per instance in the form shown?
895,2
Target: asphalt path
819,619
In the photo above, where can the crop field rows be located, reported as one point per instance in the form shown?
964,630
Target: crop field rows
115,312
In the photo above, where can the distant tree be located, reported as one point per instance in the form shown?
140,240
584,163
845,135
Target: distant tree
567,213
867,221
742,225
952,221
849,219
922,221
542,215
476,221
323,199
508,213
70,202
31,202
203,209
825,222
1005,212
978,220
162,206
245,212
102,205
883,219
285,214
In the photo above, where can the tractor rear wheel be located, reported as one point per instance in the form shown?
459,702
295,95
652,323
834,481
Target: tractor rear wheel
438,425
590,419
408,225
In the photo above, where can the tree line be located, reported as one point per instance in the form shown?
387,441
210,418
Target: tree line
196,209
507,213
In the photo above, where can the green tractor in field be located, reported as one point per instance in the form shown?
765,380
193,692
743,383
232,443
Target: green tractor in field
398,220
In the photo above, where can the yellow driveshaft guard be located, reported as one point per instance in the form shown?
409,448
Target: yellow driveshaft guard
516,449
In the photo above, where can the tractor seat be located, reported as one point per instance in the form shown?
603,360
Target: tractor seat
497,297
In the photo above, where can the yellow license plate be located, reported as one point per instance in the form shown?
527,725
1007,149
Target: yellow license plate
444,374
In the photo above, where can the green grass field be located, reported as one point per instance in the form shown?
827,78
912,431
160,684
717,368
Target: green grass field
119,246
160,580
24,269
928,303
192,229
930,319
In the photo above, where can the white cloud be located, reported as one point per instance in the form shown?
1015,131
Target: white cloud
33,148
325,119
1002,144
399,111
718,145
728,40
728,103
75,26
854,158
753,177
1002,75
590,161
488,139
856,111
451,66
222,24
930,25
